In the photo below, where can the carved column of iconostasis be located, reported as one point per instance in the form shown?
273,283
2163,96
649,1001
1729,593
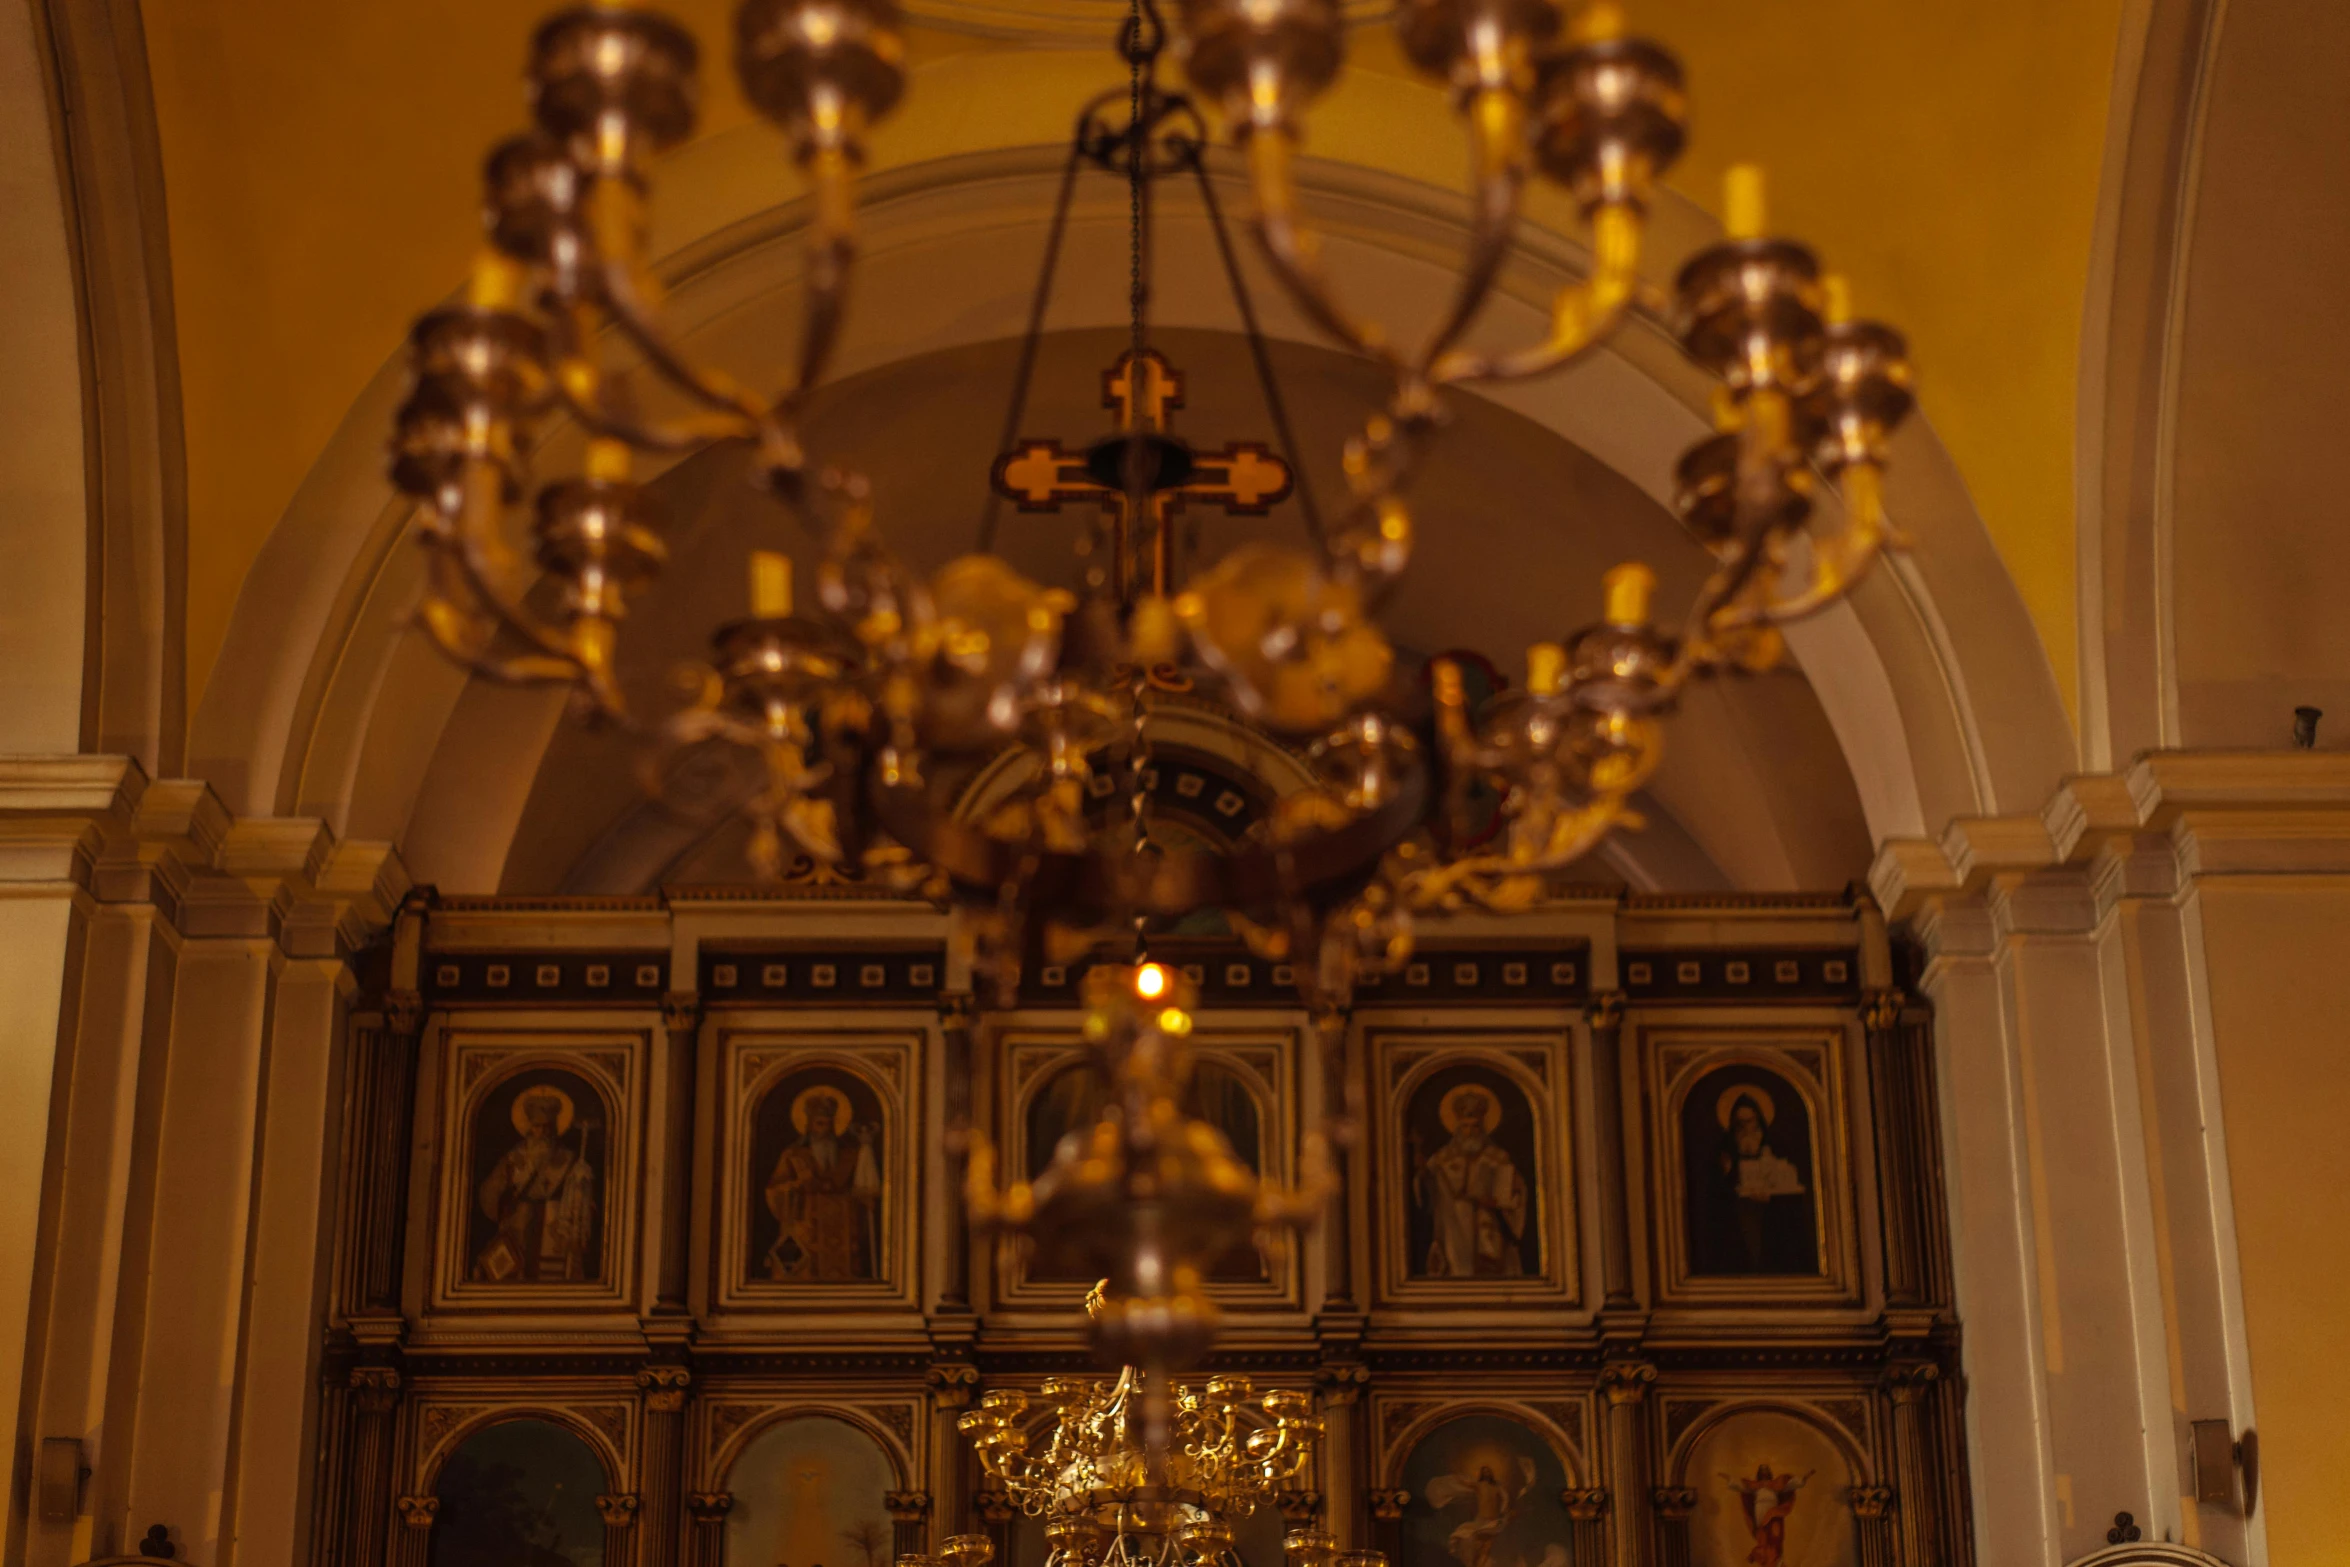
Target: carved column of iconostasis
706,1546
667,1380
1605,1018
661,1469
411,1543
619,1511
1625,1382
1340,1506
1872,1510
952,1376
1674,1506
957,1014
355,1528
1922,1508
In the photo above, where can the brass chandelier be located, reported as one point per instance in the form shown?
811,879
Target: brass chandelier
1138,1472
859,716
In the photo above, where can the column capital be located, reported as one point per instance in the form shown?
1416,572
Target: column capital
1604,1009
618,1509
681,1011
376,1388
1871,1502
906,1506
403,1012
1586,1503
1387,1505
1881,1009
952,1382
1910,1380
665,1387
1626,1381
1340,1380
709,1506
1675,1503
418,1512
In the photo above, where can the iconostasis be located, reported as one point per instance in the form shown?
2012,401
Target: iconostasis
651,1250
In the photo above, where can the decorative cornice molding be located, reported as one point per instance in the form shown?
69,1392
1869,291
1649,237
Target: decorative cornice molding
99,822
2221,812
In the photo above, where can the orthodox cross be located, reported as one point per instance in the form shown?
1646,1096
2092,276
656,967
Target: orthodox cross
1244,478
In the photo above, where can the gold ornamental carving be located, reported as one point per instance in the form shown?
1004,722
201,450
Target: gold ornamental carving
1911,1380
665,1388
1626,1381
376,1389
952,1383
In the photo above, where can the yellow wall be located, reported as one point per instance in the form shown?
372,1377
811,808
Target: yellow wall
2279,994
320,166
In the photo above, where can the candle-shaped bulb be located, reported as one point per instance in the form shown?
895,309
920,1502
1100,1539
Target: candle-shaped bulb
1628,588
1599,22
1743,207
1836,299
496,283
607,460
770,585
1545,663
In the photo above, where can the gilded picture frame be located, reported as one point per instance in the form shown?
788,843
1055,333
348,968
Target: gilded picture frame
818,1175
1749,1140
1244,1081
539,1170
1477,1186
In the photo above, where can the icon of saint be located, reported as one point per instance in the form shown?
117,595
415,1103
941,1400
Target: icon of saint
541,1195
1758,1207
825,1193
1473,1193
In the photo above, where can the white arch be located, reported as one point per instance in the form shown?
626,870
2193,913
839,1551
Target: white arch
323,703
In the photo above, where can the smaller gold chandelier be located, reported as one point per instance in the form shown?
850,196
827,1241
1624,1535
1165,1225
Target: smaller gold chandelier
1135,1473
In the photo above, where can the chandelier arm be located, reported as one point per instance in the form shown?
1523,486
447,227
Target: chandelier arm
1764,422
1583,315
1497,146
671,435
1505,882
459,543
832,254
992,510
631,313
615,213
1275,404
439,621
1839,561
1295,250
787,807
